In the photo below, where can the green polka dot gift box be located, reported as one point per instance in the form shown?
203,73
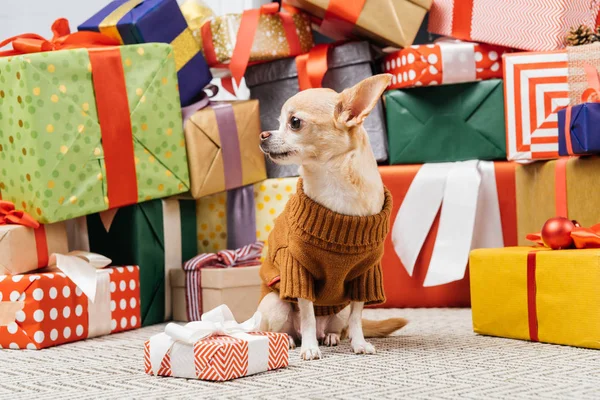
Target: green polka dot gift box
85,130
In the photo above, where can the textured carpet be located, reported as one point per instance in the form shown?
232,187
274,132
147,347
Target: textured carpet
435,357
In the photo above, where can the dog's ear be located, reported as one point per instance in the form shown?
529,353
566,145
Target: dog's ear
355,103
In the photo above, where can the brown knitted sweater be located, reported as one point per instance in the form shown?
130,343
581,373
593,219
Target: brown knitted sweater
325,257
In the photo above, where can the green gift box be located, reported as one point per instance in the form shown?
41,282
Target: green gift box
85,130
158,235
446,123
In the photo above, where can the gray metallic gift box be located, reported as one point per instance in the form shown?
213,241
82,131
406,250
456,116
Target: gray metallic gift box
274,82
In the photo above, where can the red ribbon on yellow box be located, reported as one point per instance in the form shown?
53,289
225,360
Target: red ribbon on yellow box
583,238
245,38
9,215
108,79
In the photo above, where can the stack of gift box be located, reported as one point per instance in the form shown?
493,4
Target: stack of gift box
134,190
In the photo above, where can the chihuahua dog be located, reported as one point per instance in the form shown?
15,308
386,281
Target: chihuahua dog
322,131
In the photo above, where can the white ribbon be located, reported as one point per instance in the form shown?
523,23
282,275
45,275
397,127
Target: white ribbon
99,314
81,268
172,241
458,61
180,339
470,217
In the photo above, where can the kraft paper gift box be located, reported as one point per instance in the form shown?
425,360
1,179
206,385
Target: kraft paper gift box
444,62
54,307
238,288
160,21
386,22
275,82
90,129
426,253
537,87
239,217
576,124
566,187
158,236
521,24
25,245
446,123
216,349
223,147
537,294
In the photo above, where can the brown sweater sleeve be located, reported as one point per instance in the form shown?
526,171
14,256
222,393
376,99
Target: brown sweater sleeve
368,287
296,281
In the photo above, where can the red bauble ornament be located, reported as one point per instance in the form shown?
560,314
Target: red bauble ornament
556,233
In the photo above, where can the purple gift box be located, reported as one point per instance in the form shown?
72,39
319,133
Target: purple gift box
158,21
584,130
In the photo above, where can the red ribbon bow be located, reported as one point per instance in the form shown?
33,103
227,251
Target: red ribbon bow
10,216
244,256
62,39
583,238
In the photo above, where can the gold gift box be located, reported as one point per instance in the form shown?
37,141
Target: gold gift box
270,42
388,22
555,299
536,194
238,288
205,153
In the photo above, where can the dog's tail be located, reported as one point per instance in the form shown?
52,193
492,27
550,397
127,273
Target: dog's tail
376,329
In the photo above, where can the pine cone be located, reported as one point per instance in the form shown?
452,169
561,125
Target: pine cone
581,35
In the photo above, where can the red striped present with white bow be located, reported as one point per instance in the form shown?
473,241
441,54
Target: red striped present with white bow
215,349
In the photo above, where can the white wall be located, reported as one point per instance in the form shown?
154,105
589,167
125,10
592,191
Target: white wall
37,16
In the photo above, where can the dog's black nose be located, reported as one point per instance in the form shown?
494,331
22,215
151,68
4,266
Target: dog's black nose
265,135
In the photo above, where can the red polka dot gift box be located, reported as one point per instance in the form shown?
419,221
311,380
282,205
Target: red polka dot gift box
444,62
46,309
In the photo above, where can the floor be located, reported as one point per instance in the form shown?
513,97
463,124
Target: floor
437,356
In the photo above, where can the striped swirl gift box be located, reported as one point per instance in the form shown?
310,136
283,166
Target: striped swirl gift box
215,349
536,86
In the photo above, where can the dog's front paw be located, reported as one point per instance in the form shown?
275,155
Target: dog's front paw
363,347
310,352
331,339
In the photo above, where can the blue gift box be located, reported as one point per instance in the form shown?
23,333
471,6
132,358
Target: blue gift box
585,129
147,21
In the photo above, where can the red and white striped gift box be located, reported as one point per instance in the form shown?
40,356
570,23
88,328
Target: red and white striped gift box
535,88
445,62
535,25
221,358
216,348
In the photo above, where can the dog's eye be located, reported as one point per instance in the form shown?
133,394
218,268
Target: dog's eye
295,123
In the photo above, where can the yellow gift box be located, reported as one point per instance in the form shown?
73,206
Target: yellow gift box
537,294
270,198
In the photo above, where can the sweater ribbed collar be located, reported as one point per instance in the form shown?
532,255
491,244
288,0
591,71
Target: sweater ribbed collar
309,217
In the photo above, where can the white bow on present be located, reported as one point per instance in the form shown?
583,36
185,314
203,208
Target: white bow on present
180,340
86,270
81,267
470,217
